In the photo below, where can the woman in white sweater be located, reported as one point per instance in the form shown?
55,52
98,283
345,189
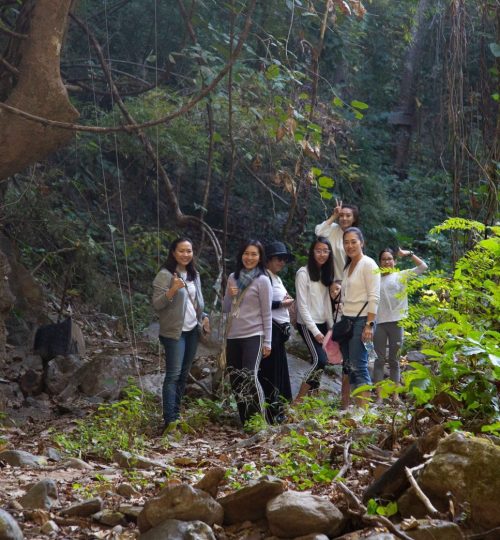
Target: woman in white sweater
392,309
314,308
360,296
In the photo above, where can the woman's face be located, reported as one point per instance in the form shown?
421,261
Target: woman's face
335,289
346,218
387,260
183,254
321,253
276,263
250,257
353,246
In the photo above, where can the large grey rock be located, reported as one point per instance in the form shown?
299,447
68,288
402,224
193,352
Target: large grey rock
9,529
83,508
105,376
293,514
183,502
60,372
435,529
467,467
19,458
249,503
42,495
173,529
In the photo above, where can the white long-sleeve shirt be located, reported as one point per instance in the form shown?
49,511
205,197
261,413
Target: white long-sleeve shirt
335,236
363,285
313,302
393,304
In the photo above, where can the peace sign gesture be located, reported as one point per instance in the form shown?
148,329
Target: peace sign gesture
338,208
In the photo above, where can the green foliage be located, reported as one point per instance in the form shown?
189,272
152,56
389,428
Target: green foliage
373,508
458,319
305,461
114,426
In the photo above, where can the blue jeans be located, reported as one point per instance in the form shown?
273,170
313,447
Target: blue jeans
179,354
355,355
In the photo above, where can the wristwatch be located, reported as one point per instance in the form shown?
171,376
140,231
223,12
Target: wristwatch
371,324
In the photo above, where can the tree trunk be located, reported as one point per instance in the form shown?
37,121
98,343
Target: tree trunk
403,118
35,86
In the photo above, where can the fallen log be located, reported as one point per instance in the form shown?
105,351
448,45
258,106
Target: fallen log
394,481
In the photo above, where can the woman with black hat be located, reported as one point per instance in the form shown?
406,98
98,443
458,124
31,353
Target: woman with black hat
273,373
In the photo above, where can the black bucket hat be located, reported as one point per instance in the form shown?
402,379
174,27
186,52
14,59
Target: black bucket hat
278,249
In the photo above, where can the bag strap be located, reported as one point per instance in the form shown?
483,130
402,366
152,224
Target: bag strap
359,312
337,307
234,307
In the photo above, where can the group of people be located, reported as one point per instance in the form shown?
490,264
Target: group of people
338,283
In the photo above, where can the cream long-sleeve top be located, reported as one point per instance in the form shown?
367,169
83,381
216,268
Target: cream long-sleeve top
313,302
363,285
393,304
335,236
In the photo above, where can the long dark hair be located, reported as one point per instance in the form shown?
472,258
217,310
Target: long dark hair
262,259
325,272
355,213
359,234
171,264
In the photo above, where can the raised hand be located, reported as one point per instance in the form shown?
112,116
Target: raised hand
177,283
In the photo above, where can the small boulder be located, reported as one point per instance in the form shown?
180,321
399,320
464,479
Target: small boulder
42,495
174,529
19,458
183,502
83,508
249,503
109,517
9,529
127,460
127,490
434,529
210,482
293,514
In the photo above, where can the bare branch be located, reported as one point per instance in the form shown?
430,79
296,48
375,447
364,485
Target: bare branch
421,495
164,119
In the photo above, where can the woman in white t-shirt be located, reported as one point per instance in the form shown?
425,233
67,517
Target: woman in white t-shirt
393,307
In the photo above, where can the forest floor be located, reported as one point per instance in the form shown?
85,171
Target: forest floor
306,452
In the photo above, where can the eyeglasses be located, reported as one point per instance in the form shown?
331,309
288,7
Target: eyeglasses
322,251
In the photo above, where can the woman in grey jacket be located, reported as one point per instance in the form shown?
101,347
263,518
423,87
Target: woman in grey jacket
178,301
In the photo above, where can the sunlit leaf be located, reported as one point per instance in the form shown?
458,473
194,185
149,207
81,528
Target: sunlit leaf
359,105
495,49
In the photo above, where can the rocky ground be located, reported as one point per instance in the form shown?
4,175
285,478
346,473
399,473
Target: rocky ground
206,481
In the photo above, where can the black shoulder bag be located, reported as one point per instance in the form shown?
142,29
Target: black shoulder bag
342,331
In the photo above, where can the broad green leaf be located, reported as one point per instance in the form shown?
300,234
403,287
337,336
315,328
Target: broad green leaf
316,172
496,96
337,102
272,72
359,105
358,115
326,182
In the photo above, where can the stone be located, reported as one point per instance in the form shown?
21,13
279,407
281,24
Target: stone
9,529
467,467
183,502
210,482
131,512
49,527
174,529
249,503
109,517
312,536
42,495
20,458
105,376
368,534
434,529
53,454
293,514
84,508
415,356
75,463
126,460
127,490
60,371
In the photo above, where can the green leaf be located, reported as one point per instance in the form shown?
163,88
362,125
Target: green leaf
494,359
316,171
359,105
272,72
326,182
358,115
325,194
496,96
337,102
